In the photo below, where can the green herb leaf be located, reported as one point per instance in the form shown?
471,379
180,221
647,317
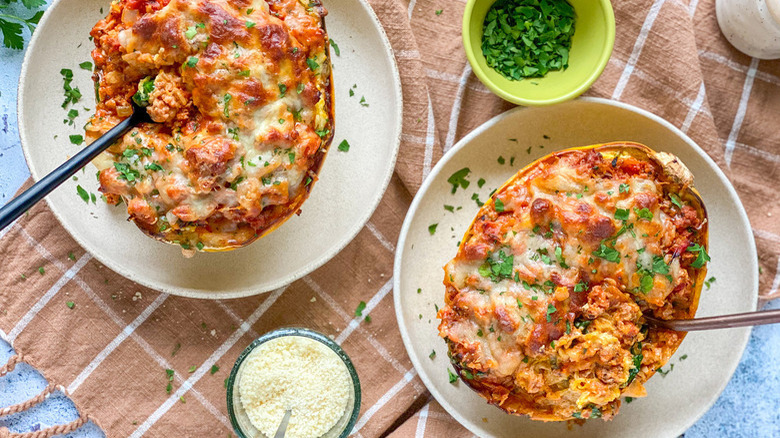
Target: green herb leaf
621,214
607,253
499,205
344,146
214,369
432,228
335,47
643,213
675,200
83,194
313,66
498,266
360,308
452,376
458,179
70,304
192,61
702,258
86,65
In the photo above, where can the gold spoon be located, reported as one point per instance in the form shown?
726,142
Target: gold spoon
717,322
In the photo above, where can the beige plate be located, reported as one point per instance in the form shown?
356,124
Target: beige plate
674,402
350,187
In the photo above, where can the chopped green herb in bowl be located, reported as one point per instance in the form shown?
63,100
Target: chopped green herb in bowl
528,38
538,52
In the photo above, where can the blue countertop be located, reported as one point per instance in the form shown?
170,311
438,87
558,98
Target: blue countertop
747,408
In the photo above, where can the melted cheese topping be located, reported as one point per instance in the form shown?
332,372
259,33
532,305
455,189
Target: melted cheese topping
545,297
242,100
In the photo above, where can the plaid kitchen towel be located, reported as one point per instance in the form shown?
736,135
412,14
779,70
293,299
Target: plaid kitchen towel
109,349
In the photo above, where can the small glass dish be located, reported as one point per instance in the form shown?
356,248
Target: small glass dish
238,417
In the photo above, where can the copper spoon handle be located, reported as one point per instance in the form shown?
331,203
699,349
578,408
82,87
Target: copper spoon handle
718,322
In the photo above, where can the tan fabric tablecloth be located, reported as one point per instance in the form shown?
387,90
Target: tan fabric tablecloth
110,351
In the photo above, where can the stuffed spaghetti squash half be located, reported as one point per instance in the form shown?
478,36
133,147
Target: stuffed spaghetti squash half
546,295
240,92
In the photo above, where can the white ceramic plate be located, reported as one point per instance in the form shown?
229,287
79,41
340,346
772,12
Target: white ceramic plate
674,402
350,187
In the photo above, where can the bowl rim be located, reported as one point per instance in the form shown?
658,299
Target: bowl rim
471,55
462,143
301,332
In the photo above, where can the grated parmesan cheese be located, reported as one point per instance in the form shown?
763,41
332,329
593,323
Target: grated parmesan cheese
298,373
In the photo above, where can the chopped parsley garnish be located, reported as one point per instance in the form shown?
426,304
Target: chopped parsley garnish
236,182
82,193
322,133
360,308
498,266
282,90
499,205
226,102
607,253
622,214
459,179
439,11
643,213
475,197
86,65
449,208
244,73
250,24
70,304
192,61
126,172
624,188
432,355
432,228
580,287
153,167
41,270
214,369
452,376
702,258
300,88
480,182
190,32
675,200
708,282
636,351
363,101
501,160
646,283
344,146
559,257
200,246
550,310
312,64
528,38
660,266
72,95
335,47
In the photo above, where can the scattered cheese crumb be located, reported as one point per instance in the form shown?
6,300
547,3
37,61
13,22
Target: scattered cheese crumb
313,299
298,373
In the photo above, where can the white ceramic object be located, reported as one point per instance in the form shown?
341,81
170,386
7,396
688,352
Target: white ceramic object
674,402
350,187
752,26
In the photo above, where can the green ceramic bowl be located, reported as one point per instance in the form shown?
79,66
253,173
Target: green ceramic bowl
594,36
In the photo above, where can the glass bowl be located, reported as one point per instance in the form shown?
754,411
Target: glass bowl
238,417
